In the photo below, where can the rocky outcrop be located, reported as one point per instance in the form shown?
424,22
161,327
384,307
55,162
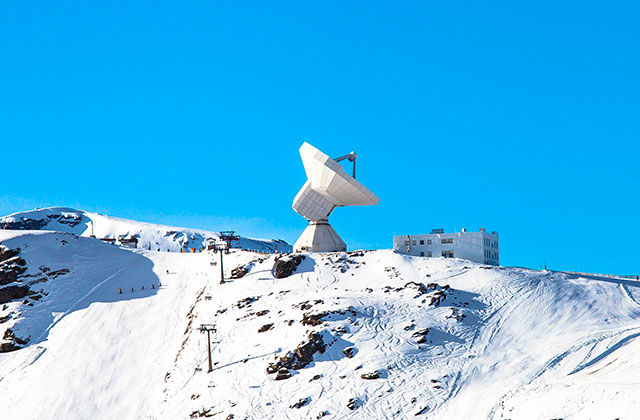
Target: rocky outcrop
286,265
11,266
11,270
246,302
265,327
371,375
349,352
12,342
353,403
301,403
6,253
318,318
71,219
10,293
240,271
300,357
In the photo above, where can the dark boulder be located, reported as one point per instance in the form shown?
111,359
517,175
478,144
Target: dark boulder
265,327
371,375
349,352
301,403
283,373
240,271
353,403
287,265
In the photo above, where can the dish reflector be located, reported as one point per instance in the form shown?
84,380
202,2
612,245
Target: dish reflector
328,186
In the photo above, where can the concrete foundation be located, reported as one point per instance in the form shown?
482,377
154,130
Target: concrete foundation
319,236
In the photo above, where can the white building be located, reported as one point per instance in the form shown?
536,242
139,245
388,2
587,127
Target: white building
480,247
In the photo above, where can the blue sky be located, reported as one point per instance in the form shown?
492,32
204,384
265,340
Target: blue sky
523,118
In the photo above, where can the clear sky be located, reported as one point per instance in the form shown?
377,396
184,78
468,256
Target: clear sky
524,118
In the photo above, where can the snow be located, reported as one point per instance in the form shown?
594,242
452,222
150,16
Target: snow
531,344
157,237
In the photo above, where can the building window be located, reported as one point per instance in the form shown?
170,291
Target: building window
447,254
428,241
422,254
447,241
413,242
421,241
429,254
406,242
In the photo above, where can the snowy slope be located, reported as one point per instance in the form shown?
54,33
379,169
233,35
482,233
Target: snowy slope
448,339
82,223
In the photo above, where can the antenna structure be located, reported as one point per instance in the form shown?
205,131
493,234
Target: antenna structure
328,186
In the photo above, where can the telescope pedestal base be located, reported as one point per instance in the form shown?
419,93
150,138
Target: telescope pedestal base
319,236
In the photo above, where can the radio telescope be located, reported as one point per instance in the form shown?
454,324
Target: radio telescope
328,186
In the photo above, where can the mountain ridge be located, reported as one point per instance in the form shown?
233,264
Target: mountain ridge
362,334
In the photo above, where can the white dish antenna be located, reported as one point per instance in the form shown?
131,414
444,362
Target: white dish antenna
328,186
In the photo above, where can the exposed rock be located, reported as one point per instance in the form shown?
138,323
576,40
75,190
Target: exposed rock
6,253
356,253
26,224
10,293
301,403
265,327
308,304
242,270
11,266
340,330
422,289
349,352
422,411
286,265
13,342
262,312
283,373
301,356
56,273
371,375
421,332
313,319
353,403
242,303
7,347
272,368
10,271
10,335
71,219
245,316
454,314
306,350
318,318
437,297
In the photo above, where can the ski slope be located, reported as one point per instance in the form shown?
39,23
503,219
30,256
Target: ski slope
447,339
150,236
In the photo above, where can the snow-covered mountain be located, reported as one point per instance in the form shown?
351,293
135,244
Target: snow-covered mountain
105,332
149,235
